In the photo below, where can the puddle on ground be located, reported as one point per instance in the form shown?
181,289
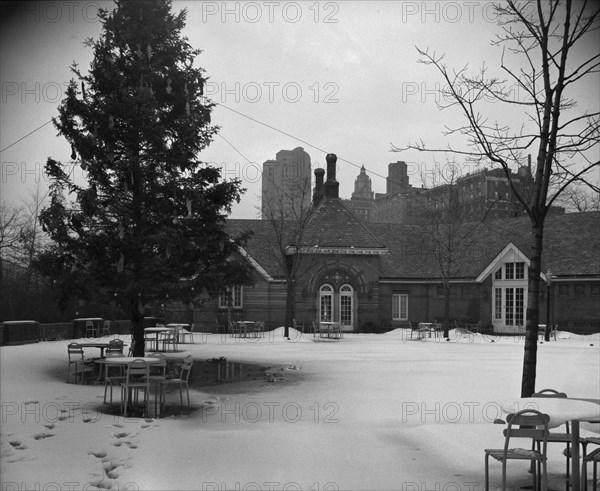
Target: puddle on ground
216,372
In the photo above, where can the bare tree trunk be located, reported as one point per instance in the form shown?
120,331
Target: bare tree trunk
446,308
137,327
533,309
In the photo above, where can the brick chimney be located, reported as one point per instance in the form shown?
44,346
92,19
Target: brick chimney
332,187
318,193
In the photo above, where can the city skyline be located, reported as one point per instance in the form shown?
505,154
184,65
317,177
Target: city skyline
331,77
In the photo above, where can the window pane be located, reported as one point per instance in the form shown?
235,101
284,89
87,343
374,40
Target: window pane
519,306
403,307
498,303
520,271
395,306
509,313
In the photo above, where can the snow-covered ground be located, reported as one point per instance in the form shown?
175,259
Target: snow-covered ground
368,412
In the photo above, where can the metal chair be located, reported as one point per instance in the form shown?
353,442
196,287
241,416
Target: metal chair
530,424
90,329
112,380
594,458
298,326
554,436
80,365
105,329
169,339
115,346
183,333
136,380
316,329
158,374
181,382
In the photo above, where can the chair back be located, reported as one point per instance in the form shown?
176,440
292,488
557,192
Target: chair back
159,368
549,393
114,345
75,352
186,368
137,369
528,423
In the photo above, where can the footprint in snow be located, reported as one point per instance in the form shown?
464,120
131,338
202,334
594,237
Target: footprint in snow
42,435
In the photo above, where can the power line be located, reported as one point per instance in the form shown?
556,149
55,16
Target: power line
28,134
293,137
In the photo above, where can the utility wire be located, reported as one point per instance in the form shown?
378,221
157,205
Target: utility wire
28,134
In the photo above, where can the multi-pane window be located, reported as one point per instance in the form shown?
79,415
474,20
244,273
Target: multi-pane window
346,294
498,303
520,271
498,275
514,305
326,303
236,297
510,271
399,307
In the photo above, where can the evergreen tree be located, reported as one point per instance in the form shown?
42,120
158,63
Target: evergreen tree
150,220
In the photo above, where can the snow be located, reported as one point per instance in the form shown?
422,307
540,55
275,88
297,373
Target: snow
370,411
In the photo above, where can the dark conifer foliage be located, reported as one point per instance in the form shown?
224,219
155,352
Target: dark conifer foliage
148,218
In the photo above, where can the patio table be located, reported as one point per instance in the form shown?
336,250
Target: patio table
560,411
100,345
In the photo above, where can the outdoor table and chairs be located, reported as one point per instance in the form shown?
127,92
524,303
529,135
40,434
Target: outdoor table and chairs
561,410
92,327
247,329
151,336
330,329
132,381
428,329
180,330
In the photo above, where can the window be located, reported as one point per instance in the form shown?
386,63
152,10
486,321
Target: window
498,303
563,290
440,291
498,275
399,307
510,271
236,297
579,290
514,306
519,271
346,296
595,290
326,303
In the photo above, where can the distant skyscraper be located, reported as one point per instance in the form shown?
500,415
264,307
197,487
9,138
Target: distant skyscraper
286,184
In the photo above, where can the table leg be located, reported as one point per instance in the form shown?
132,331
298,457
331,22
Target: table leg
575,471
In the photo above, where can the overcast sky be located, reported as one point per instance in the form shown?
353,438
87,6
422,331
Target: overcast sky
340,77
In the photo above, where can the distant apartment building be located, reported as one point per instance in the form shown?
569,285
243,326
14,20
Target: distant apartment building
286,183
484,193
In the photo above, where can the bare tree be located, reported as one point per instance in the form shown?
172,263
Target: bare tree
546,58
579,198
450,225
288,212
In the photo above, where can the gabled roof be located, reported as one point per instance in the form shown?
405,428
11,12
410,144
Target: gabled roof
571,243
334,225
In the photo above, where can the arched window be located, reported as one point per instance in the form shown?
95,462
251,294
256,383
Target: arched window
346,305
326,303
